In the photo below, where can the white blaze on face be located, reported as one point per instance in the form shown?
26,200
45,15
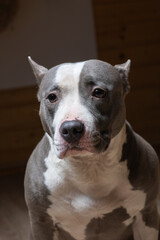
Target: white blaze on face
70,107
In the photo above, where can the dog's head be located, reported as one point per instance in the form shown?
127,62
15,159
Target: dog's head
82,104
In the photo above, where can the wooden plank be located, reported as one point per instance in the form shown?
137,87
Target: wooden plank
17,97
128,29
114,36
143,112
15,159
145,55
16,147
108,2
125,11
20,126
144,77
18,117
144,98
23,138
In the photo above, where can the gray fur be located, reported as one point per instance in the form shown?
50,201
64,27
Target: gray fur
143,168
110,226
109,115
36,193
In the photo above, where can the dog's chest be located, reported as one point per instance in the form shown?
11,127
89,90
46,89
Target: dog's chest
73,210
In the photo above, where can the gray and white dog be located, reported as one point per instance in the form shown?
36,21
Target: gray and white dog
91,177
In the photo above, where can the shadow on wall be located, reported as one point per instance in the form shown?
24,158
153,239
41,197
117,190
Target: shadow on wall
51,32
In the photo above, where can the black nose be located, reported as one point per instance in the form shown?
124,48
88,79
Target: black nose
72,131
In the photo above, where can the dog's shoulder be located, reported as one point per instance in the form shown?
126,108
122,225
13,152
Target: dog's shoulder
34,176
142,161
36,160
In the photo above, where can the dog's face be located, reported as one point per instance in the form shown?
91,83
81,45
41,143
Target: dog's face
82,104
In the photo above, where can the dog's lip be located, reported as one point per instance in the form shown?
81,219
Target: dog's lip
69,151
73,150
76,148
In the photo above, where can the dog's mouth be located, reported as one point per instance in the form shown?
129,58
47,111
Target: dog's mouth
95,146
75,149
66,150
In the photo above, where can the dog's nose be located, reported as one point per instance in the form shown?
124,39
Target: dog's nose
72,131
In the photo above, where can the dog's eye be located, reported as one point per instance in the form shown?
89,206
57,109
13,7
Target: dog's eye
52,98
99,93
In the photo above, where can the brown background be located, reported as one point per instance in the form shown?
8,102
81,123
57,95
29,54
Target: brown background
131,30
124,29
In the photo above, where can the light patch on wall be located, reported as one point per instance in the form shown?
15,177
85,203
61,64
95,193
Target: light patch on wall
51,32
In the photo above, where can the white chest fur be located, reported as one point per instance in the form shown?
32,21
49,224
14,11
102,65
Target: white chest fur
77,197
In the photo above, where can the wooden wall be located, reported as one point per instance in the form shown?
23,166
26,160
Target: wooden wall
20,127
131,30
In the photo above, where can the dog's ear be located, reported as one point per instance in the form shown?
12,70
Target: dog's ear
123,70
38,70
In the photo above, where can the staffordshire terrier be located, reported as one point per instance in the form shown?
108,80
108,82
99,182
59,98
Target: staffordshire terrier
91,177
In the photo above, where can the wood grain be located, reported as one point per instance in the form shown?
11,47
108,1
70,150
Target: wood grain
130,30
20,127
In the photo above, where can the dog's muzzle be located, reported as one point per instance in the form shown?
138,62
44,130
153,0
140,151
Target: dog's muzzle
72,131
76,137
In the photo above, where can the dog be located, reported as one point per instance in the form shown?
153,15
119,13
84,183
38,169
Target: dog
91,177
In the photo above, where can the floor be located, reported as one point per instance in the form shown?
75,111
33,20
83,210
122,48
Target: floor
14,223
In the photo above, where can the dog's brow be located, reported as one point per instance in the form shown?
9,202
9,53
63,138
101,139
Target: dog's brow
91,81
55,88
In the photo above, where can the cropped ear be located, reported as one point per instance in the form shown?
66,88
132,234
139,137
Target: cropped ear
123,70
38,70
